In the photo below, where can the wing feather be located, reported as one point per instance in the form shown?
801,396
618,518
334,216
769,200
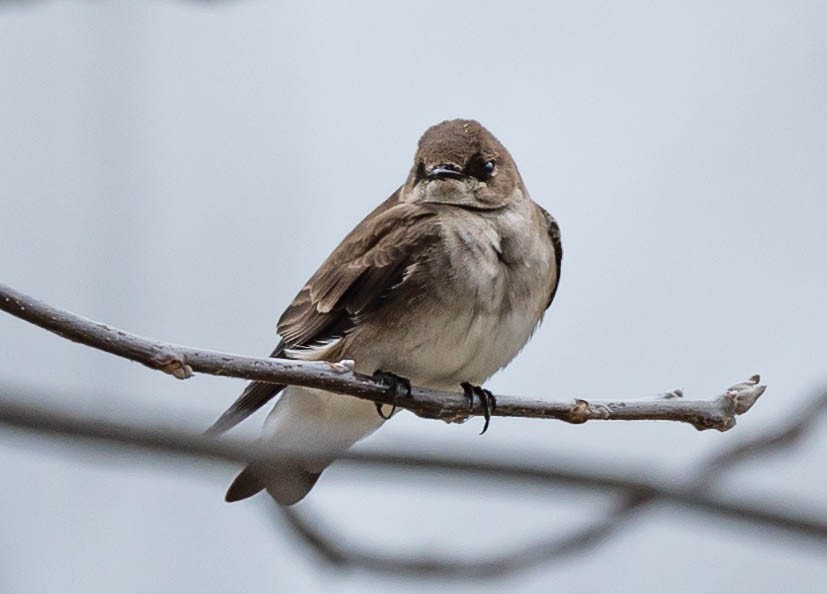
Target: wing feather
369,263
554,235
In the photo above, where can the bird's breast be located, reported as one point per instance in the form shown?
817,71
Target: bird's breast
478,299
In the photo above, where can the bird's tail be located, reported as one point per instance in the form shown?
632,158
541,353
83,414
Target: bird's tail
287,482
304,420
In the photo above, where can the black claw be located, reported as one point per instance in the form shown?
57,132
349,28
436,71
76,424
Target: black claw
392,381
485,396
489,405
469,393
487,400
378,406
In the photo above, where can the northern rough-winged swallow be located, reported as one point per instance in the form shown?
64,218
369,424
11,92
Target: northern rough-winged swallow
441,286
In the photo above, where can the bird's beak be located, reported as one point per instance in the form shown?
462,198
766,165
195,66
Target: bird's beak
445,172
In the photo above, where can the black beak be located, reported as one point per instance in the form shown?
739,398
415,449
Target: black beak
445,172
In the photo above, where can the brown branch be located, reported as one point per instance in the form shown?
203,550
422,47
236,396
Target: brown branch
540,552
193,445
181,361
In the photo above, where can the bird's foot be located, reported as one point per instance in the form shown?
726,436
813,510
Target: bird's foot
393,382
487,399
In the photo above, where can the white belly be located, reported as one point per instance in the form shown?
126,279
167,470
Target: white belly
315,420
466,348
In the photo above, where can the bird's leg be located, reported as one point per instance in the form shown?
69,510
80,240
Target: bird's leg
393,382
487,400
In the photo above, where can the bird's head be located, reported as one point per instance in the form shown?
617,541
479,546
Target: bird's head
461,163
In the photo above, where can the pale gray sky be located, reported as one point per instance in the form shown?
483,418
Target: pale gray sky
169,167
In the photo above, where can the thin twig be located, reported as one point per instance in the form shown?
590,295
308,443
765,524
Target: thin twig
181,361
792,431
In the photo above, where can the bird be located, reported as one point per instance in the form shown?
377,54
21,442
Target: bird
441,286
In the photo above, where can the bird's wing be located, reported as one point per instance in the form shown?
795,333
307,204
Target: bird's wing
554,235
254,396
369,263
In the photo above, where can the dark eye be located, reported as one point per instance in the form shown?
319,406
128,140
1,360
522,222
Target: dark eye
489,168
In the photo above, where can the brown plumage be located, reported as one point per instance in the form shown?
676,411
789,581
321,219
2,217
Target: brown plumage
442,283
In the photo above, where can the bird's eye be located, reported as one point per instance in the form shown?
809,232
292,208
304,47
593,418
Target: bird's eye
489,168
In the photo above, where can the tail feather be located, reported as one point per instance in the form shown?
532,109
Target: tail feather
304,419
245,485
254,396
288,483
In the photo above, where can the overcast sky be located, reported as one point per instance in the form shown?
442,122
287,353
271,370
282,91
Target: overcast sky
176,169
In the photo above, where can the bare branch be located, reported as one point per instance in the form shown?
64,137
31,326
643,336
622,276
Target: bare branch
184,443
181,361
544,551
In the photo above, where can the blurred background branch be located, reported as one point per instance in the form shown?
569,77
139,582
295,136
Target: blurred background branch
635,489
